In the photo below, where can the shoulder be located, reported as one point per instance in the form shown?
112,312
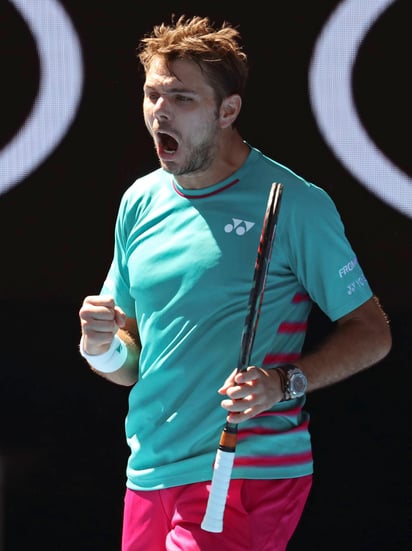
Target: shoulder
146,184
300,196
143,191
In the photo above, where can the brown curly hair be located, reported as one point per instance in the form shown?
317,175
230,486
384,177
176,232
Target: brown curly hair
216,50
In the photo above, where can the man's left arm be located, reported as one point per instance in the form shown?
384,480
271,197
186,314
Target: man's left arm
361,339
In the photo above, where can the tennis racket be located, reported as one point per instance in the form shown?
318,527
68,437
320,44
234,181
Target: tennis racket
225,455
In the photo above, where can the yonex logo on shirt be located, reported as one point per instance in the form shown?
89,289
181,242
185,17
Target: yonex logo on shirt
354,285
239,226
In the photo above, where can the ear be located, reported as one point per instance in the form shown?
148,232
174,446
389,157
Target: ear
229,110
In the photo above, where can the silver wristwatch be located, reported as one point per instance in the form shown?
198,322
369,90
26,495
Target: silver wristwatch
294,382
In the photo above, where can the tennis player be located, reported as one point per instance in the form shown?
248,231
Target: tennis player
169,317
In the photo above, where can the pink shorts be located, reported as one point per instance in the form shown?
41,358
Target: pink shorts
259,515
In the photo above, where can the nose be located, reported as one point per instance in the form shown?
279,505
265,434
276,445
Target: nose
161,108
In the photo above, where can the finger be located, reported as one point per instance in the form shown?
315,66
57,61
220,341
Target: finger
99,300
100,319
252,373
228,383
240,411
238,404
106,300
240,417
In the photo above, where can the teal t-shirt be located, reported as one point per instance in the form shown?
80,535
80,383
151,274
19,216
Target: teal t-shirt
183,266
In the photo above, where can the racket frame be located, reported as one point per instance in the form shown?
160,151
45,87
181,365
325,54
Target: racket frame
225,455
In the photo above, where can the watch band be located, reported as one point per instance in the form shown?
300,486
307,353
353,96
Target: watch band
283,379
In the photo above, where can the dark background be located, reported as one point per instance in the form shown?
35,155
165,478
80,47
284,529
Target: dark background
62,447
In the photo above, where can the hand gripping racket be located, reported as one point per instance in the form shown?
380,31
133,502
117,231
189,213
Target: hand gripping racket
213,519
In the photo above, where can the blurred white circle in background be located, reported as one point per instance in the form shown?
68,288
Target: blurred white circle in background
330,88
60,89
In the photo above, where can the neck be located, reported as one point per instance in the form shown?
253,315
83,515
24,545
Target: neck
232,153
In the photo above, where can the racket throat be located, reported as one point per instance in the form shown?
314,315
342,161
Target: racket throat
228,438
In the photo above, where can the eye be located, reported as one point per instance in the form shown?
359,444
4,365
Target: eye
183,99
152,96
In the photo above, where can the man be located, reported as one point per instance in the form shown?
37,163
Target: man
170,315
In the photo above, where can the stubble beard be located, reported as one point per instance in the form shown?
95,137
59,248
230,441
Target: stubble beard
200,157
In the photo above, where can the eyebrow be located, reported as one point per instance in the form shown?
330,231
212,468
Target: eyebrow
171,90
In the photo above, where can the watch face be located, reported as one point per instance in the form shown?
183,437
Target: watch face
297,384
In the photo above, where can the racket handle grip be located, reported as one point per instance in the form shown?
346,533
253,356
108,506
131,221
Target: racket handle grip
213,519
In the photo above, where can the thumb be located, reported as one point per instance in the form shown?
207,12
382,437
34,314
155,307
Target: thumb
119,316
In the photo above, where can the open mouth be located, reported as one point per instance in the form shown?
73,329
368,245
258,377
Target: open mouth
167,143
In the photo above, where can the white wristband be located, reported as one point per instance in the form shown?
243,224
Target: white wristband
109,361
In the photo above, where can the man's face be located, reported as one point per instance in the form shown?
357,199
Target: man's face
181,115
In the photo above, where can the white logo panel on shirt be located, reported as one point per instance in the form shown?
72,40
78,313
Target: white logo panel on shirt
240,227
